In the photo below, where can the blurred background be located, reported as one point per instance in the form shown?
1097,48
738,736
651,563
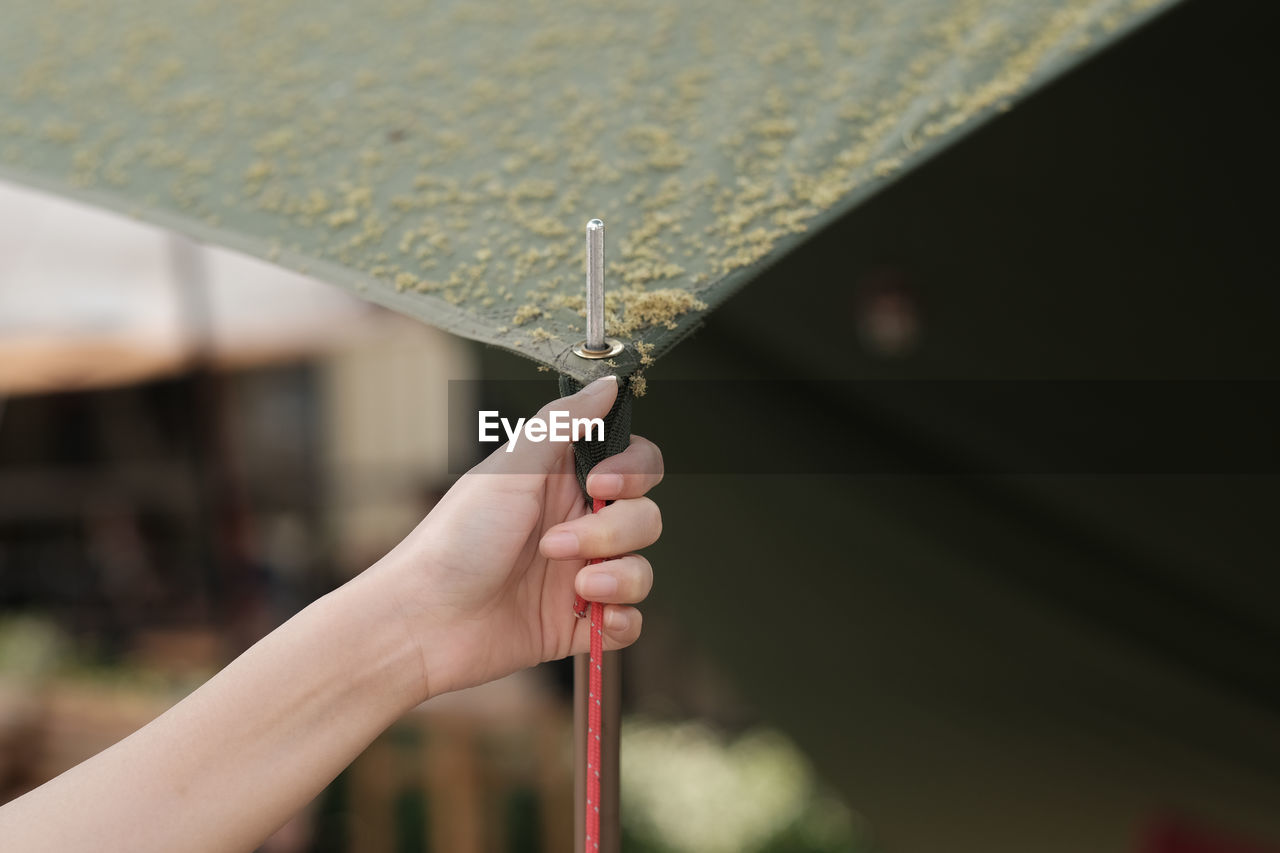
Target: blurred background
193,445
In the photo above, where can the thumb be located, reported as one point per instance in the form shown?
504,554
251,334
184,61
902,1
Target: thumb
529,455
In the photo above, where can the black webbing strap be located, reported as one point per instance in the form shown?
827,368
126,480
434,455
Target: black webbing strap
617,429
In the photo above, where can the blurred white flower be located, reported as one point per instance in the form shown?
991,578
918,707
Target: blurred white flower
685,785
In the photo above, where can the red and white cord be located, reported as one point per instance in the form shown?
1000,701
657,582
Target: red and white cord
595,690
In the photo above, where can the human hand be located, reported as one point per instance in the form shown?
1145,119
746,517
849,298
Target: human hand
484,586
486,582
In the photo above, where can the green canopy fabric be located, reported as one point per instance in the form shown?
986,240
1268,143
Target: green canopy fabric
441,159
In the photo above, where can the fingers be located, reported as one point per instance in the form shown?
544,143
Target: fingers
619,528
630,474
626,580
622,626
529,455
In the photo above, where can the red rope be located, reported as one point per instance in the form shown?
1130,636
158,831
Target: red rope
595,690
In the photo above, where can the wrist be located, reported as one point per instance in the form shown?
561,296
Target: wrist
391,645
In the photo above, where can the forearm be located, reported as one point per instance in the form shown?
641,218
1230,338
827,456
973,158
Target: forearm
231,762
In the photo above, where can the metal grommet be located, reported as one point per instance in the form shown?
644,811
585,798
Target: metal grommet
612,347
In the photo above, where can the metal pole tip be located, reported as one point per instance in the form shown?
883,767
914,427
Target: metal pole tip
596,345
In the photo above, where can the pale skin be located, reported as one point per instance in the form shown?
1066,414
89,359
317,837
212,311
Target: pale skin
483,587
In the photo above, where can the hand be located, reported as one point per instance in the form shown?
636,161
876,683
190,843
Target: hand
486,582
484,586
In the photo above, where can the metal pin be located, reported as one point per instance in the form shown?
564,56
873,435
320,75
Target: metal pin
596,345
595,286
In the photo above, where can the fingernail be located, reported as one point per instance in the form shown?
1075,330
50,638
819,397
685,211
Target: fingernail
600,385
598,585
560,544
604,485
616,620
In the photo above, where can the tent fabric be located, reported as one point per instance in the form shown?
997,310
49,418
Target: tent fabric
441,159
